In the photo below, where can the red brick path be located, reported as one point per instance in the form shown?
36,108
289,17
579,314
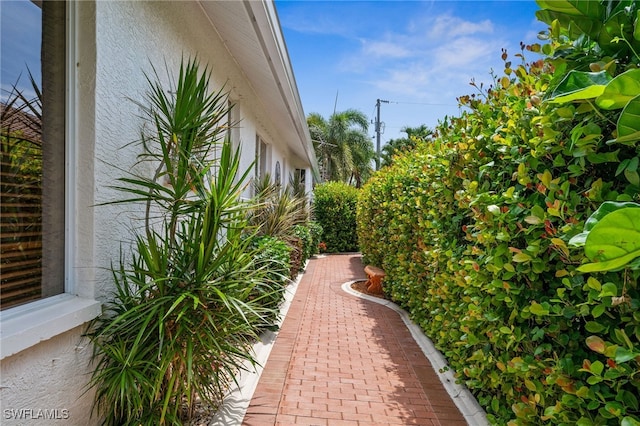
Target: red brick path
341,360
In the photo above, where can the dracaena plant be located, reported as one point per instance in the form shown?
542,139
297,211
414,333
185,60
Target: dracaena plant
190,296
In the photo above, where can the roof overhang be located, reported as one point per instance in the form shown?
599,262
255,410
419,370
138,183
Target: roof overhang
251,32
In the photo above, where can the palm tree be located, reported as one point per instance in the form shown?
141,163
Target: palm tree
362,155
402,145
342,145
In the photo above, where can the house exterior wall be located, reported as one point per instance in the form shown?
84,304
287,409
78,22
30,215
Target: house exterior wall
116,42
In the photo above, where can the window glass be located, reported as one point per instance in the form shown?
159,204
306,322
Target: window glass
32,150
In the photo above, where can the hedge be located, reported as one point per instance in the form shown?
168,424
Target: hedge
334,208
473,230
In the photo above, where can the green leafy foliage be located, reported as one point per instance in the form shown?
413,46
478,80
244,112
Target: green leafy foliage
334,208
273,256
315,230
611,237
342,146
193,294
473,231
303,233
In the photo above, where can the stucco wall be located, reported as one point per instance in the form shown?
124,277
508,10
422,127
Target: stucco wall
117,43
44,384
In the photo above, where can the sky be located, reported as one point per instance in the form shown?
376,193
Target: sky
418,55
20,31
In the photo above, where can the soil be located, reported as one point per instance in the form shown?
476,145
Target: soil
361,287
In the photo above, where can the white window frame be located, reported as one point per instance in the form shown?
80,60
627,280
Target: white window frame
24,326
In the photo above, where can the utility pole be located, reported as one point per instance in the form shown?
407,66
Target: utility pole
378,101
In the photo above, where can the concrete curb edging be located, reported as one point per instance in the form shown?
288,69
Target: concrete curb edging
235,404
464,400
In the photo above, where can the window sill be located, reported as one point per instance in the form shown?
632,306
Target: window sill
25,326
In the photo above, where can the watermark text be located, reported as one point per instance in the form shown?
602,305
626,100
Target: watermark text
35,414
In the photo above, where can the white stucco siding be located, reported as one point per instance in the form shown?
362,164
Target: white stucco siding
45,385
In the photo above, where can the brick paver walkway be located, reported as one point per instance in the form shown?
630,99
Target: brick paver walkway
341,360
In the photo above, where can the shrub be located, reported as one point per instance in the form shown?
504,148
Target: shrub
303,233
272,256
184,315
473,231
334,208
316,234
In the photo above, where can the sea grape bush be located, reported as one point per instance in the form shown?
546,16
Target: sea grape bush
473,228
334,209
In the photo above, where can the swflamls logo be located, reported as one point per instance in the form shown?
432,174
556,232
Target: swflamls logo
33,414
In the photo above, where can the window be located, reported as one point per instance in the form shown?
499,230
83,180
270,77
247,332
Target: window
234,124
32,163
262,158
277,177
300,176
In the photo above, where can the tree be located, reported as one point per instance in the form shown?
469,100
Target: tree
401,145
342,145
362,155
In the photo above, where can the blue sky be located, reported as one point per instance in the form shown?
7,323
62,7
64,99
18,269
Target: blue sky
419,55
20,31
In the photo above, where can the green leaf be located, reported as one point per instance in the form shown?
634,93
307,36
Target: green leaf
598,310
603,157
632,177
580,85
620,91
578,240
537,211
521,257
614,241
597,367
626,140
629,421
628,399
572,7
622,166
629,122
584,421
594,380
594,327
604,209
623,355
573,25
538,309
594,284
609,290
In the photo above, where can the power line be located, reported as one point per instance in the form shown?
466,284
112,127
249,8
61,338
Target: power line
420,103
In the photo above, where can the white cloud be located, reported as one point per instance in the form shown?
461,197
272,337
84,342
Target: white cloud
384,49
451,26
465,52
412,81
430,61
437,41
